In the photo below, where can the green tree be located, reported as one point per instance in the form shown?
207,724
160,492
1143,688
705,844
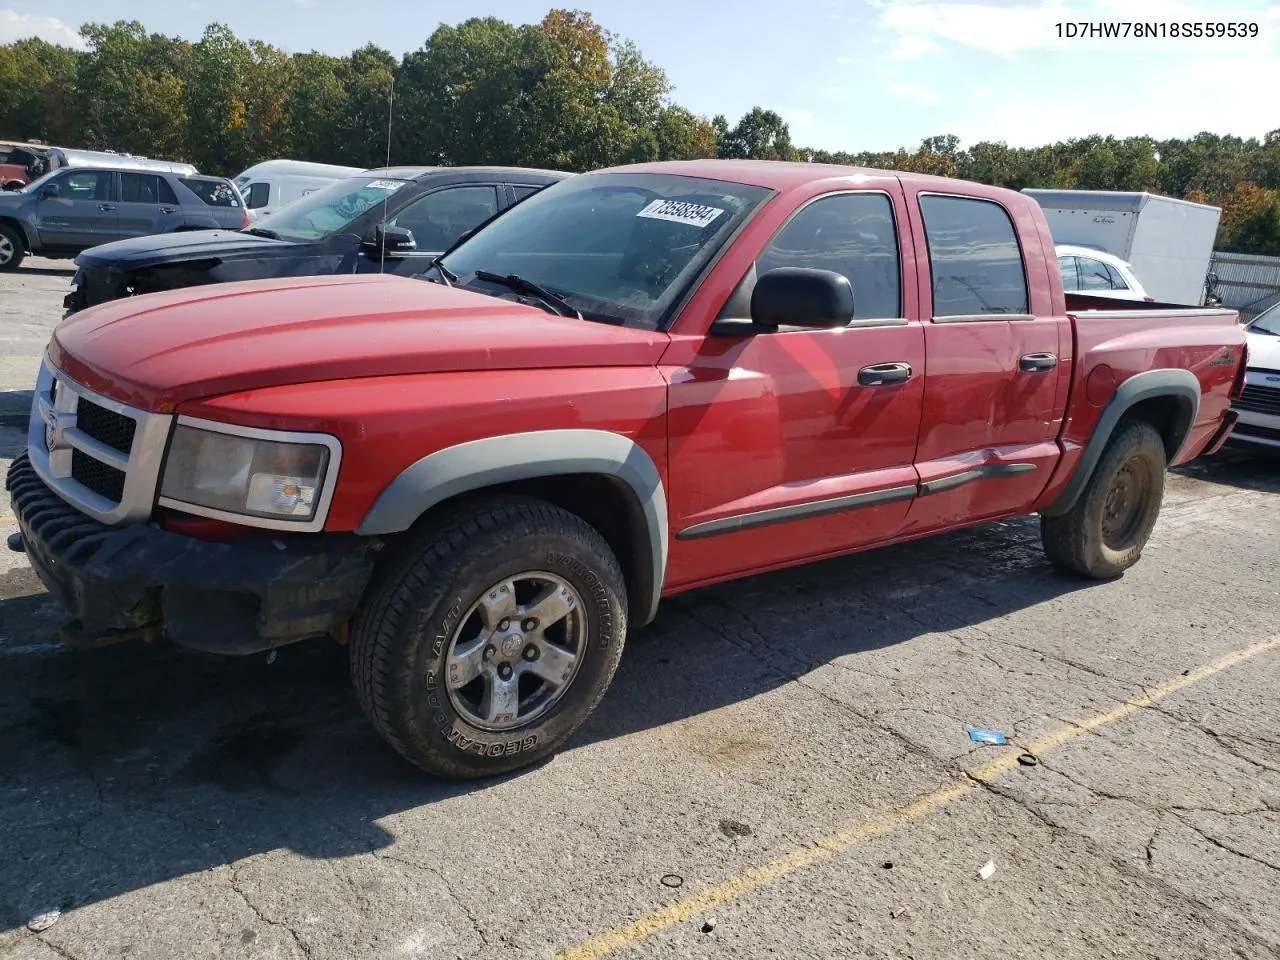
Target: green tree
131,86
316,103
39,81
683,136
760,135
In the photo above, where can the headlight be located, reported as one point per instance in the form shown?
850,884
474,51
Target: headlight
278,477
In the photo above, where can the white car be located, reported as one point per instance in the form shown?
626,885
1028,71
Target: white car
1259,404
1098,274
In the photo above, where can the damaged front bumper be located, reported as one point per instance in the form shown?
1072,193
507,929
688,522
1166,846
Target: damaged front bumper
240,597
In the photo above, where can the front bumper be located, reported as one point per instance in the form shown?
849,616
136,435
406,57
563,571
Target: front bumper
90,287
241,597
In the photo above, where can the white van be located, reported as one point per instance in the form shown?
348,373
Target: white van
1169,242
271,184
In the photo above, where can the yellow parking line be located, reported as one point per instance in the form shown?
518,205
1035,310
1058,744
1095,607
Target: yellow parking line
829,846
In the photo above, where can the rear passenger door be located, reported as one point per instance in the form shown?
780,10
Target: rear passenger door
997,356
148,205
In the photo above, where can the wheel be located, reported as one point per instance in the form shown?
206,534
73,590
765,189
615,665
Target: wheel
13,249
1104,533
488,640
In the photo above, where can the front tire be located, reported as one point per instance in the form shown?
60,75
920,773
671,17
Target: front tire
489,640
13,248
1104,533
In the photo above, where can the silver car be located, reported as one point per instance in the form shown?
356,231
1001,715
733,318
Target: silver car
70,210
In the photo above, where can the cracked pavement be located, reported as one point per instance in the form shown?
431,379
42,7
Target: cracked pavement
178,805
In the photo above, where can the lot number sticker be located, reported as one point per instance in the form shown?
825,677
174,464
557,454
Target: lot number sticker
692,214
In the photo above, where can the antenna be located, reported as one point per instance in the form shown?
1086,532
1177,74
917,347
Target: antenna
386,195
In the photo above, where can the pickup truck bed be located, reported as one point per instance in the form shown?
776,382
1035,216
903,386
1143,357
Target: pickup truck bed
636,382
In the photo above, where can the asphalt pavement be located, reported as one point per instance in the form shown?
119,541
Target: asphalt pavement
782,767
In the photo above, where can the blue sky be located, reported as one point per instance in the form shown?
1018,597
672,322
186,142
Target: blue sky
847,74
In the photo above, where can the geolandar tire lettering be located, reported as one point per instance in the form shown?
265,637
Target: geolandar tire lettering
488,639
1105,531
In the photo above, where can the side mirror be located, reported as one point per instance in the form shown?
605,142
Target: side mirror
801,297
395,241
49,192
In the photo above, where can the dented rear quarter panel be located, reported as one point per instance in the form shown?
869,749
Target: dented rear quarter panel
1111,346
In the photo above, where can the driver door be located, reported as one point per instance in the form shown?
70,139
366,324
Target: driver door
436,220
796,444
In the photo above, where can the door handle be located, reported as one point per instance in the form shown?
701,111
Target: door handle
884,374
106,207
166,209
1038,362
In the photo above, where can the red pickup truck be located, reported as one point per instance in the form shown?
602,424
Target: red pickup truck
637,382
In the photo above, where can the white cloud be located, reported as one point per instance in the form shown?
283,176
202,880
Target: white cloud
797,118
1180,103
909,91
911,46
845,61
1009,30
20,26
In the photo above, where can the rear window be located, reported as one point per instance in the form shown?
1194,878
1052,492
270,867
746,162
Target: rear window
213,191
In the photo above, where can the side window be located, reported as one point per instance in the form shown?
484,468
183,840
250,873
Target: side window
974,257
1117,281
166,192
1070,275
86,185
521,192
1093,275
139,188
852,234
439,218
259,195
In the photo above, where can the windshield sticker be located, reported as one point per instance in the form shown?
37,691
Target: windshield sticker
384,185
677,211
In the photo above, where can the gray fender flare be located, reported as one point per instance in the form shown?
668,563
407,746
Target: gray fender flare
527,456
1180,385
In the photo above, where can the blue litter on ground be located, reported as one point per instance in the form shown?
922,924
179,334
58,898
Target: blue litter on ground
986,736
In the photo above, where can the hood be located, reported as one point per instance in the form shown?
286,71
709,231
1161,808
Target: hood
137,252
158,350
1264,351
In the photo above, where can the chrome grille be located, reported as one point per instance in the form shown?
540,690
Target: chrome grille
105,481
116,430
100,456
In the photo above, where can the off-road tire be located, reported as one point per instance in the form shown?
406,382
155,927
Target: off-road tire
1076,541
18,244
401,634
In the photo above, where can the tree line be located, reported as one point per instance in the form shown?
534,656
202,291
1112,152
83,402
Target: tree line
563,93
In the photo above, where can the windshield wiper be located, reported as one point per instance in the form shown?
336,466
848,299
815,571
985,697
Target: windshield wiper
521,285
450,278
263,232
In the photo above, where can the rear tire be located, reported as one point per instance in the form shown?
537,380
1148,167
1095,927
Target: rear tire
489,639
13,248
1104,533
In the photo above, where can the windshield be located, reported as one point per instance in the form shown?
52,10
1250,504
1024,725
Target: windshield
1268,321
621,247
329,210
